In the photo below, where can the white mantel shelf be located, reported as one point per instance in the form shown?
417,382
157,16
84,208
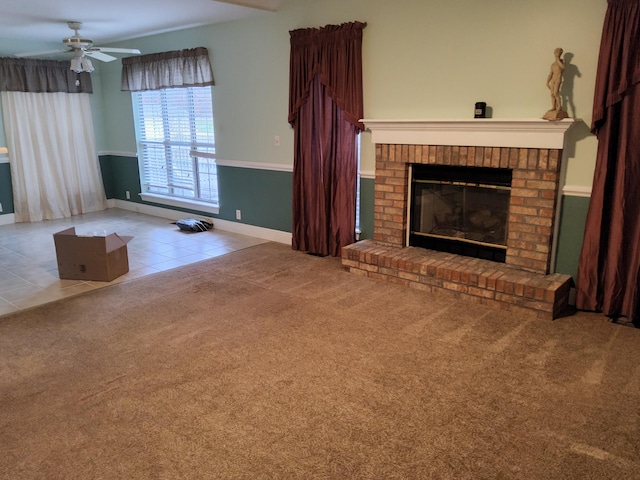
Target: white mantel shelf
481,132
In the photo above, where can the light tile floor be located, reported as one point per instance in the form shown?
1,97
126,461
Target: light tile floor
29,269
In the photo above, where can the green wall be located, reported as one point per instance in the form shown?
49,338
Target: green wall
120,175
421,59
572,220
263,196
366,208
6,194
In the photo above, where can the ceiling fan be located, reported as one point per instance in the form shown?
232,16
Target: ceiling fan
82,48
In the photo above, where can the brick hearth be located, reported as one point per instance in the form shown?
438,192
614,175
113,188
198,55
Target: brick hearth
483,281
523,281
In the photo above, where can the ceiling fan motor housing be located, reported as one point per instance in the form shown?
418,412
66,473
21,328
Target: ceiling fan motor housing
77,42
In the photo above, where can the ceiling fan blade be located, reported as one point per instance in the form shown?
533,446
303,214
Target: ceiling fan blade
118,50
44,52
103,57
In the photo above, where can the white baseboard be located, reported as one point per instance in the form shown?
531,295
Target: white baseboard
7,219
227,226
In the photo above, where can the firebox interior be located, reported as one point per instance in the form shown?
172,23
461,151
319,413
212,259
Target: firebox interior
461,210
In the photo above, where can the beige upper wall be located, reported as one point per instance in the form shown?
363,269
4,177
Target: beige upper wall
421,59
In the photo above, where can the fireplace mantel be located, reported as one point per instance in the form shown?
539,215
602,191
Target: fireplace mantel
481,132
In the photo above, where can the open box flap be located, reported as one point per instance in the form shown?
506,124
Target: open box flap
68,231
115,241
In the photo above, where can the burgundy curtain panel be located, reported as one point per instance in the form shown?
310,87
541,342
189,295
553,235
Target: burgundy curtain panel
609,266
325,109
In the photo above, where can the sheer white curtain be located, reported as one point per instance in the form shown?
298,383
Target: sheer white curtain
55,169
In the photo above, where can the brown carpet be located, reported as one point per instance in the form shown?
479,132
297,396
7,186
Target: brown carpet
271,364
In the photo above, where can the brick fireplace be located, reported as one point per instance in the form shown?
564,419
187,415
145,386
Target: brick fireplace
531,150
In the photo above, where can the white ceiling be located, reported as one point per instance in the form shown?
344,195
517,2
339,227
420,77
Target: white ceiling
27,25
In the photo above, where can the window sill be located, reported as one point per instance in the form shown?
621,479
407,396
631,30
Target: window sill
181,203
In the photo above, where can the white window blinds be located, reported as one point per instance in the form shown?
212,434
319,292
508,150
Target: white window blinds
177,142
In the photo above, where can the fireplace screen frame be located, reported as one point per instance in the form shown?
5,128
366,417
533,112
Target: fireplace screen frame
459,180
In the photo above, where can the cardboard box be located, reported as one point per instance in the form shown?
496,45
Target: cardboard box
91,257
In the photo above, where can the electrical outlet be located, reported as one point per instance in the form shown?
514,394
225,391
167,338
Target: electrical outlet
276,140
238,215
128,195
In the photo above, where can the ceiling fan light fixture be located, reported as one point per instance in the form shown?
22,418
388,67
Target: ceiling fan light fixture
76,65
86,65
81,64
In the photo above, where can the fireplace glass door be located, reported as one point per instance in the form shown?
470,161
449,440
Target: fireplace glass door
460,210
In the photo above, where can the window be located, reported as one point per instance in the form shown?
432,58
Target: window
176,145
